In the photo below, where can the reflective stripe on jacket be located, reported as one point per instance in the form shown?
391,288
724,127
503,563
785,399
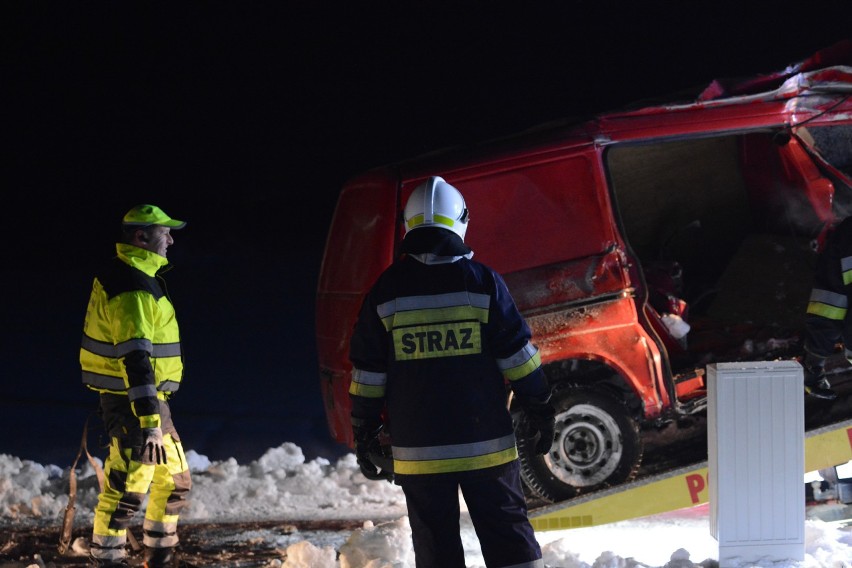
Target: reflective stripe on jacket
131,340
439,343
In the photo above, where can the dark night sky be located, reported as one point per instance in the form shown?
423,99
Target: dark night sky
244,119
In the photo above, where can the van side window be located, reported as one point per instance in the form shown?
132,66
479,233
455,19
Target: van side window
537,215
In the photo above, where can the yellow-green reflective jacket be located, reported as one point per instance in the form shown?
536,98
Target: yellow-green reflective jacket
131,340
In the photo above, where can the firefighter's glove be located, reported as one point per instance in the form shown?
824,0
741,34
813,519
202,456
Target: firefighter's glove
814,369
816,383
366,435
541,421
153,450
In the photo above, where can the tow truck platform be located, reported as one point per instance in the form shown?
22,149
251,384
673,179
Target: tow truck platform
683,487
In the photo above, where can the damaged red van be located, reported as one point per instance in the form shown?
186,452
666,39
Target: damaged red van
641,245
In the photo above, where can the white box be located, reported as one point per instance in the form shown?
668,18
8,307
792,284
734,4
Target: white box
756,461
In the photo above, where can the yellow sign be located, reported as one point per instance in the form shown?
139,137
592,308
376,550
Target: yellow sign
437,340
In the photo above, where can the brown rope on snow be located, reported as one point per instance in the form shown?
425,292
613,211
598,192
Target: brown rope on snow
68,518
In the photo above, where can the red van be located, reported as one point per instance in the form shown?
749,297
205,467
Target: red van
641,245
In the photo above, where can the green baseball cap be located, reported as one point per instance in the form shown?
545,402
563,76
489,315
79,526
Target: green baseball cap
145,215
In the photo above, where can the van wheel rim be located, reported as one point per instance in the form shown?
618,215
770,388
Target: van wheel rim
588,446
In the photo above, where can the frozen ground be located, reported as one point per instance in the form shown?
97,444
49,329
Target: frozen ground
282,510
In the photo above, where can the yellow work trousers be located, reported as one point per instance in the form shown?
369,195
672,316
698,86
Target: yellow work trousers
126,484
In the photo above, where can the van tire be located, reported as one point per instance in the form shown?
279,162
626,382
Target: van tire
597,445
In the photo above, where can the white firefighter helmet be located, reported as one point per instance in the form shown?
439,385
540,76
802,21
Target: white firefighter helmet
435,203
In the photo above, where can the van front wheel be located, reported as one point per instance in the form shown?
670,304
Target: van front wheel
596,445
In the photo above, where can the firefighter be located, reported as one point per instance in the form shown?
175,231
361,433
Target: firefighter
436,343
828,320
131,356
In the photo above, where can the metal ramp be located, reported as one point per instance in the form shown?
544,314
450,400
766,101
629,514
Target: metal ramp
825,447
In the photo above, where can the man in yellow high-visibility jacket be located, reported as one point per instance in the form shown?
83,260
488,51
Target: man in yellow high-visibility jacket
131,355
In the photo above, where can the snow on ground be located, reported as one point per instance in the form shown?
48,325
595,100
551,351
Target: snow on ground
282,486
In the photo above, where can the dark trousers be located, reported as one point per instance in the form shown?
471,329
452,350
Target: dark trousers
497,508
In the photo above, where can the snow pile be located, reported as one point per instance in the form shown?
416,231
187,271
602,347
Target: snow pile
280,485
386,543
29,490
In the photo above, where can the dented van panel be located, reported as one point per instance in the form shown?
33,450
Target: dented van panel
586,280
641,245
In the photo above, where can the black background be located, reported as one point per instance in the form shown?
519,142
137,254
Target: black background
244,119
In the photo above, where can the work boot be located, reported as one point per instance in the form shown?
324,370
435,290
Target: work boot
820,388
160,558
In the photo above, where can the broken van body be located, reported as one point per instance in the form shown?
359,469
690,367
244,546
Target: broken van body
640,245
